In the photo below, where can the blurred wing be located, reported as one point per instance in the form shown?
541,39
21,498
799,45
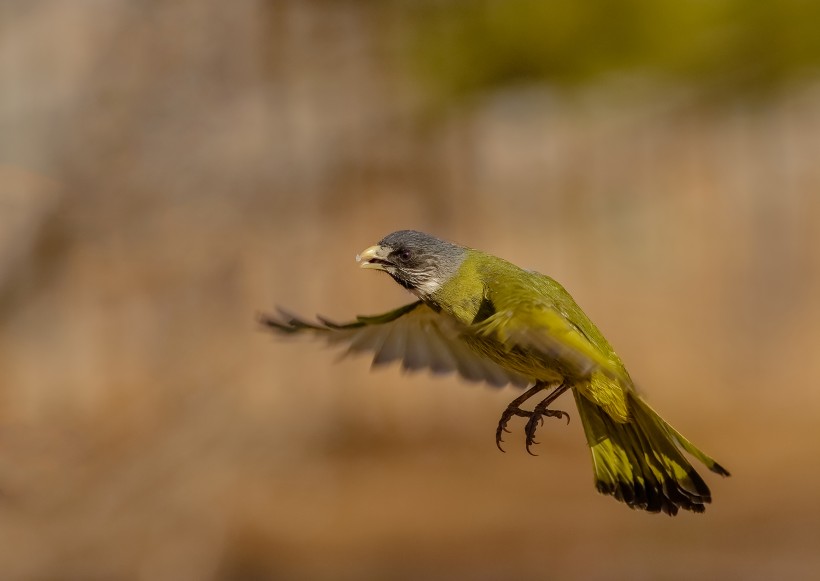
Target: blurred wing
541,328
414,334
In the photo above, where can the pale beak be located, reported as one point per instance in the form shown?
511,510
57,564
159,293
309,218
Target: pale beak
374,257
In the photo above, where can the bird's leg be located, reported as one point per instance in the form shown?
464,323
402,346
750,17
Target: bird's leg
514,409
541,410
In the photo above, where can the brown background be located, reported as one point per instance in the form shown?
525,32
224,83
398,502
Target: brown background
167,170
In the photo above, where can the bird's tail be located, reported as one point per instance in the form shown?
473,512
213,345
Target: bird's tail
640,462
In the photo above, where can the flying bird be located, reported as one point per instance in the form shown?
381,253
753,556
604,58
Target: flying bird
491,321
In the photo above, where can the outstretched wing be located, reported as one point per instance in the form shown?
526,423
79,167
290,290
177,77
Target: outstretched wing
414,334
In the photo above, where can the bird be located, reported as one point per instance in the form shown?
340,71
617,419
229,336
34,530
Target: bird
491,321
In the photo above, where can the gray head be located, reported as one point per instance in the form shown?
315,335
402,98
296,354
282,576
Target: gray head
417,261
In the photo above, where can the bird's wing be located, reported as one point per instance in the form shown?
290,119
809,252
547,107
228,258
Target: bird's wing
414,334
546,328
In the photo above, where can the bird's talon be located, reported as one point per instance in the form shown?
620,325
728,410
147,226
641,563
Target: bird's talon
535,418
499,432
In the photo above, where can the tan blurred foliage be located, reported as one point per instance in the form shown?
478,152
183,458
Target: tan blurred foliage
169,169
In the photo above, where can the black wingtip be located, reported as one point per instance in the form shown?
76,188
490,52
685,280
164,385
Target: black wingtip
718,469
269,321
285,322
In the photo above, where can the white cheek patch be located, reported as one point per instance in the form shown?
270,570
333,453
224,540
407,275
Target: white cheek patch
428,287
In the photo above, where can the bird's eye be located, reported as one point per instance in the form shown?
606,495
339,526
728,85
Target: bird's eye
405,255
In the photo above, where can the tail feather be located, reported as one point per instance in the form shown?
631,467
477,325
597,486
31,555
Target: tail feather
640,461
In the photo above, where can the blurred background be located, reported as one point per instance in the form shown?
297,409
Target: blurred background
170,169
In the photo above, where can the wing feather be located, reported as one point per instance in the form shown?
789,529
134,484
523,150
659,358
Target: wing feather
414,335
393,347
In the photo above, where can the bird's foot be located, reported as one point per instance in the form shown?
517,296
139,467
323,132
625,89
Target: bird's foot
512,410
536,416
537,419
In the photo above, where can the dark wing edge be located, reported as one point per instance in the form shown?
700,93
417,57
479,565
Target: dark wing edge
289,323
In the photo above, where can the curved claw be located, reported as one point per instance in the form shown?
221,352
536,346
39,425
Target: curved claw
558,414
530,429
502,427
499,431
537,420
499,439
530,440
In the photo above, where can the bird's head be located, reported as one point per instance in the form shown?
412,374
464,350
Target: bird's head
417,261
